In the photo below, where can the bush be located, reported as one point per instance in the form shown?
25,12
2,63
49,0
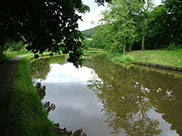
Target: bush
13,46
173,47
87,43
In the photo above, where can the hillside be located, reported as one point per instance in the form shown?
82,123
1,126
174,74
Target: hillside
89,32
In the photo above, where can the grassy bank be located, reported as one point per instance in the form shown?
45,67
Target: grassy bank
26,111
162,57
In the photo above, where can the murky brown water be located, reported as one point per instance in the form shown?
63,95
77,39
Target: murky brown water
109,100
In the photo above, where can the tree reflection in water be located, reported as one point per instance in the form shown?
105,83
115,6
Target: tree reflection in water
41,67
41,90
129,95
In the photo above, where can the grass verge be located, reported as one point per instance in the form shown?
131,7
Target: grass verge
162,57
26,111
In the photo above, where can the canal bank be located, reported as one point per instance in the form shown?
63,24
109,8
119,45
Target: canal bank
162,59
25,112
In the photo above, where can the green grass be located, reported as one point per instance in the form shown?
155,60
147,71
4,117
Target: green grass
26,111
163,57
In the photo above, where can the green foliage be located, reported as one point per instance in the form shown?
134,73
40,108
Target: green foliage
87,42
14,46
102,38
89,32
174,20
118,31
173,47
43,25
163,26
124,58
137,23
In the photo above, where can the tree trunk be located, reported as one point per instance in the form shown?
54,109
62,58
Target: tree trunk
130,48
143,34
143,42
124,48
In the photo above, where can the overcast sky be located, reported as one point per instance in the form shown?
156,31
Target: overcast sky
94,14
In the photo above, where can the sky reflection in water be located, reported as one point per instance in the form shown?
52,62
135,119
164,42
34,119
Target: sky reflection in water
107,99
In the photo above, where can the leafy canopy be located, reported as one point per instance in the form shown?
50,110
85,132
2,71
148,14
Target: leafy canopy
44,24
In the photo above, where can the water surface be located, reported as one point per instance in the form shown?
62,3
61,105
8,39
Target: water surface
107,99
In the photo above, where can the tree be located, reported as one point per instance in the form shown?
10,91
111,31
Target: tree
120,18
101,2
43,25
174,20
146,7
157,29
103,37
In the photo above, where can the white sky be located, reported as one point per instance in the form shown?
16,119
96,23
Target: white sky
94,14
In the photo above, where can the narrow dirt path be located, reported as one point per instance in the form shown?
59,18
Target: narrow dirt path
7,69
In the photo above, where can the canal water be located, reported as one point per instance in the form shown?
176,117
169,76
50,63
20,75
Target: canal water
105,99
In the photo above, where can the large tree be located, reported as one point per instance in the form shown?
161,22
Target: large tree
119,24
146,7
174,20
44,24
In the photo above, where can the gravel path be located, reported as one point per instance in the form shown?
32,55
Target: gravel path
7,69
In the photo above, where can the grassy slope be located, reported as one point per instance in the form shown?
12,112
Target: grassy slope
163,57
26,110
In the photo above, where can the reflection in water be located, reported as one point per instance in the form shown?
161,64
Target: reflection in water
65,132
40,67
134,101
41,90
51,107
129,96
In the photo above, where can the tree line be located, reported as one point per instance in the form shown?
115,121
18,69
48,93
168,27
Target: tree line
138,25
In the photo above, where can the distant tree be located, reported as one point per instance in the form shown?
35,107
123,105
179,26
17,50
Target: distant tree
89,32
102,38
